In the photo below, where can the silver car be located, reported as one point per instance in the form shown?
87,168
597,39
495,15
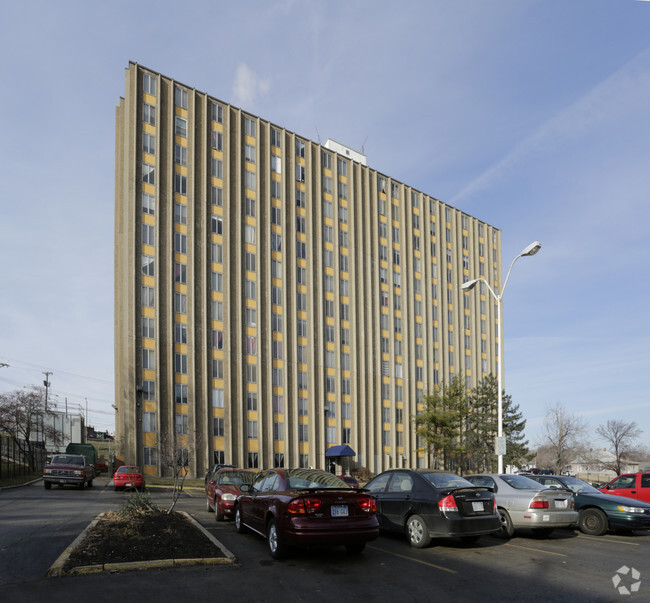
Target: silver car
522,503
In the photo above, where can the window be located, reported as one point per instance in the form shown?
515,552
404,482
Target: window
180,393
249,127
149,84
217,398
149,143
216,195
147,265
180,98
217,112
300,172
276,242
251,317
249,153
180,155
148,204
300,198
249,234
276,216
150,456
253,460
276,323
303,433
249,180
217,168
327,186
278,432
149,114
148,174
148,235
180,273
148,298
251,373
218,427
251,430
148,327
180,303
216,140
148,359
276,137
217,225
180,213
217,310
342,167
250,208
217,339
180,184
180,242
180,126
300,148
180,332
149,422
181,424
217,253
250,289
180,363
251,400
217,368
276,164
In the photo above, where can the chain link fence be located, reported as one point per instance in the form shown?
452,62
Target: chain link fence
17,460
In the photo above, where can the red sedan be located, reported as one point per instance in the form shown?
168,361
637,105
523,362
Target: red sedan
223,488
128,477
306,507
350,481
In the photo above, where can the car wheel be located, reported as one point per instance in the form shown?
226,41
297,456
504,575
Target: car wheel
507,529
218,516
593,522
542,532
417,531
207,505
82,485
277,550
355,548
239,526
47,485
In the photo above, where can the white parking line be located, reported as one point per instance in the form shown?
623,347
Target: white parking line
530,548
609,540
443,569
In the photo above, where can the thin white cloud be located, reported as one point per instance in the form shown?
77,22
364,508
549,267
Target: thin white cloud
591,108
248,86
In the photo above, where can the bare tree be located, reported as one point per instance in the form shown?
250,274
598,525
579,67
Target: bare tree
21,416
563,433
176,452
622,437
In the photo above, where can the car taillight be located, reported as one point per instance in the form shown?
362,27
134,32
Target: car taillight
301,506
368,504
538,503
447,504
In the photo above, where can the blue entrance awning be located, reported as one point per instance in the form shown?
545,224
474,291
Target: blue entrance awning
344,450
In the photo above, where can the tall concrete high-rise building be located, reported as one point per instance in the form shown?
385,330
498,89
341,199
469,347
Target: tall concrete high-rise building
276,297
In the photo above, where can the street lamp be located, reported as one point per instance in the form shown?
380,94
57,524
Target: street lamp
532,249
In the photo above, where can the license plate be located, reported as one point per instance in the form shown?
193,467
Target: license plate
561,504
339,510
128,485
477,506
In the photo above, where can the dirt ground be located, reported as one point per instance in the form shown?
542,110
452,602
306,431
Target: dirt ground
141,536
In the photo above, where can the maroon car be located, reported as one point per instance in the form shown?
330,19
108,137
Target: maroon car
223,488
306,507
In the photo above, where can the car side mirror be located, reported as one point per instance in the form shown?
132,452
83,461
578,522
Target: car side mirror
246,487
608,487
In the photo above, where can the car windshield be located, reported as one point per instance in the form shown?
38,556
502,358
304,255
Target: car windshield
519,482
447,480
236,478
128,470
313,478
64,459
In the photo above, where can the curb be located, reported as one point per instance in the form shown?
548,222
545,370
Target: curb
56,570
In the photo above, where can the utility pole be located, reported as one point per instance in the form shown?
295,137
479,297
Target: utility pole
46,383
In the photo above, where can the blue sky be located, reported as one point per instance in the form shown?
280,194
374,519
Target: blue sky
532,115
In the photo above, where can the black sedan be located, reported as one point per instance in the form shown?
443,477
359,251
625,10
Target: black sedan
598,512
425,504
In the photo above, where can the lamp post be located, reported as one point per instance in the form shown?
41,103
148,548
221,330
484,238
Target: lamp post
500,446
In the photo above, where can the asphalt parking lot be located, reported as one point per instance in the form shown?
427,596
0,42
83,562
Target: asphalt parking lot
37,525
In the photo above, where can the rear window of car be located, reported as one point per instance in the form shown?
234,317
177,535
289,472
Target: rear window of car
447,480
128,470
309,478
519,482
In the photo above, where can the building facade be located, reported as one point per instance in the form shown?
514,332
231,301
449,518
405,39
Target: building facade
275,296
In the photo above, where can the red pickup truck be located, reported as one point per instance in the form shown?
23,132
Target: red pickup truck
633,485
71,469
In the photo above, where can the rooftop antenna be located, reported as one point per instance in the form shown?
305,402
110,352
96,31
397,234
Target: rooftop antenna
317,134
363,146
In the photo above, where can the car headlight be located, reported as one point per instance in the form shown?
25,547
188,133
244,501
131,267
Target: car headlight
228,496
626,509
47,471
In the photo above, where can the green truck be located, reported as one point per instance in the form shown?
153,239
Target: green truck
88,450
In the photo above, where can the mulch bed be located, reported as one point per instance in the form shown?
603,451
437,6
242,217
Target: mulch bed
141,536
